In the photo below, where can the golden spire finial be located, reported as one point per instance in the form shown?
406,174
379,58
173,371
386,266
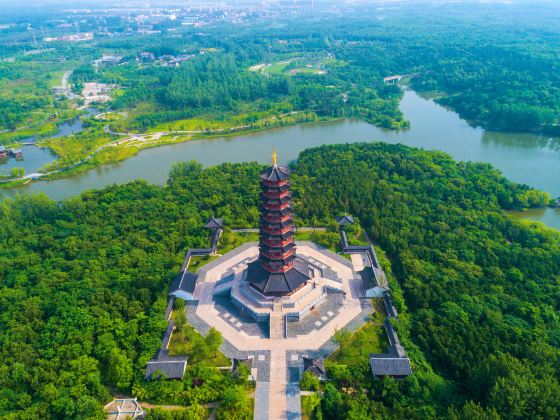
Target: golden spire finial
274,157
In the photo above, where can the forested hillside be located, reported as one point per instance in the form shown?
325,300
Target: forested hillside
482,292
83,284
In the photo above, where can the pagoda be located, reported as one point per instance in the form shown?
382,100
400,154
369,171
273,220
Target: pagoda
277,271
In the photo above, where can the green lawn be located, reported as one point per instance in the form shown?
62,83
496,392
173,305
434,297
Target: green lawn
192,345
231,240
228,241
357,348
55,79
197,262
277,68
330,240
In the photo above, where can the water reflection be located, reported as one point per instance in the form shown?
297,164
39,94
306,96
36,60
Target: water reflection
521,140
548,216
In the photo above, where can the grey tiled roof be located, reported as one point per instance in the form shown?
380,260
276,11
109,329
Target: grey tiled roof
213,223
391,333
275,173
278,283
185,281
345,220
391,310
387,365
173,367
315,366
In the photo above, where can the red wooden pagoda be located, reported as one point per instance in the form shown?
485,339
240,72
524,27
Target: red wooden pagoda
277,272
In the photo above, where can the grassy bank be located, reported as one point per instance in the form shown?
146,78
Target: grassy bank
77,153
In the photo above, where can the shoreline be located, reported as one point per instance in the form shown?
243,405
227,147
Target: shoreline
82,167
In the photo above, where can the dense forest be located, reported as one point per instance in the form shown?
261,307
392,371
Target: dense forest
83,286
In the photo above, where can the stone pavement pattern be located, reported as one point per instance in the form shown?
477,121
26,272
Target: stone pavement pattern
277,396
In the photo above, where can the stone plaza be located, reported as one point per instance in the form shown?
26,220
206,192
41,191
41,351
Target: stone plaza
278,303
278,358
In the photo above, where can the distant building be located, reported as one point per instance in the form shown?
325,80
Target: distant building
85,36
147,56
109,59
392,80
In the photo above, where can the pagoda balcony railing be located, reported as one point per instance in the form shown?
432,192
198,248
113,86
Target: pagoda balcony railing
276,219
276,206
275,267
276,194
277,231
276,243
279,255
275,184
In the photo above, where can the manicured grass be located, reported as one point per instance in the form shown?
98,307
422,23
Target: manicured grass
277,68
231,240
193,124
191,344
55,79
72,149
228,241
359,239
197,262
14,184
43,130
368,339
330,240
206,124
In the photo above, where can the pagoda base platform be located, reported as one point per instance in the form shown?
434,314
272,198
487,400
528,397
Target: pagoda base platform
263,308
226,279
279,284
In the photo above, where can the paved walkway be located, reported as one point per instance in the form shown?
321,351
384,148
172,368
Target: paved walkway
276,397
277,393
262,391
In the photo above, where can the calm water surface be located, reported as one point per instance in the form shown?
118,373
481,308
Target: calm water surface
34,158
523,158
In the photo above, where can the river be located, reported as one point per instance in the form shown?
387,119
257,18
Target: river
523,158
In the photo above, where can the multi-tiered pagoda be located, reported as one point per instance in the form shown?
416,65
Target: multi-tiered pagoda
278,271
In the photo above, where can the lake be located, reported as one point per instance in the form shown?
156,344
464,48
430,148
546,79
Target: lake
523,158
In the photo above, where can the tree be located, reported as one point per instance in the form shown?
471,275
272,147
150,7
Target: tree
332,403
472,410
310,382
214,340
235,405
181,323
120,369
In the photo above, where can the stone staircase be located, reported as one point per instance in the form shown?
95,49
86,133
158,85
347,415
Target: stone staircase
276,321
